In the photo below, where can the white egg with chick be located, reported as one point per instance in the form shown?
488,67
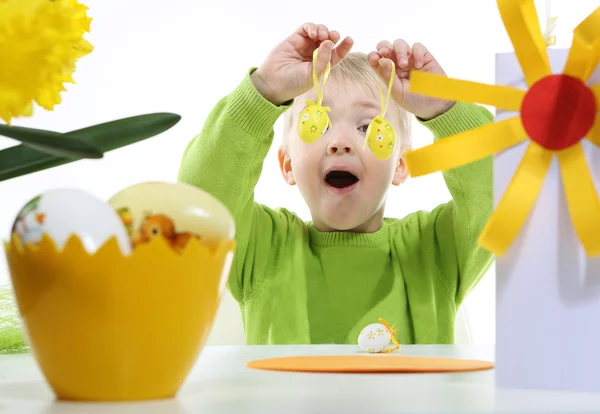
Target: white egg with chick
62,213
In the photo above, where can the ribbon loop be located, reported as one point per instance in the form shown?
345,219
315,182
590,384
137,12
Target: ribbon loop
319,88
392,332
385,102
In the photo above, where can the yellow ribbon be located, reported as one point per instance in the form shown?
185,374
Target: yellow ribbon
392,333
318,88
585,48
520,20
550,40
384,101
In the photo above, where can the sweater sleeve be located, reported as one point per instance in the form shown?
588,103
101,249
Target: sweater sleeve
459,223
226,160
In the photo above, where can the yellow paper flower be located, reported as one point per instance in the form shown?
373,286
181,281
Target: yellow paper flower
40,43
556,113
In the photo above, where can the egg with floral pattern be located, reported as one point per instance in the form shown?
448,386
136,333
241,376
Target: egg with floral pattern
381,138
374,338
313,122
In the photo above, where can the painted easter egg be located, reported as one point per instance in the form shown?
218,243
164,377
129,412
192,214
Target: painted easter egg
63,212
374,338
381,138
313,122
176,212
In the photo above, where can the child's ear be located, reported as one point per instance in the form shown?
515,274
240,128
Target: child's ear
285,165
401,172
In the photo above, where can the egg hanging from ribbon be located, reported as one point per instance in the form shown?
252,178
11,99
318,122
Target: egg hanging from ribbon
381,138
313,122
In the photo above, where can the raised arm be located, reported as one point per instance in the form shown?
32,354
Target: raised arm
226,160
457,225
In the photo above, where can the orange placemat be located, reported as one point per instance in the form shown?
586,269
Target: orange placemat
370,364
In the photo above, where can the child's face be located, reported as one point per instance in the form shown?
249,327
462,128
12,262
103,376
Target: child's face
345,187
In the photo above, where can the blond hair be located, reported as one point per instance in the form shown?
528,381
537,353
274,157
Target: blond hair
355,68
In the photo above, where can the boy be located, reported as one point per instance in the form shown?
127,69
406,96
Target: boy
323,281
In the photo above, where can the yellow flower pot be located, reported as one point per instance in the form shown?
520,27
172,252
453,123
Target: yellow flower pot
108,327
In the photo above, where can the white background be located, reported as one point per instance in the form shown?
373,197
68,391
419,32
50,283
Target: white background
182,56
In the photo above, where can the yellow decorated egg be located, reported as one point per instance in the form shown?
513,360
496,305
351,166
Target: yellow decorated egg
381,138
374,338
313,122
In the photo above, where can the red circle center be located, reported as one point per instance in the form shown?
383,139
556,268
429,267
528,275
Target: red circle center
558,111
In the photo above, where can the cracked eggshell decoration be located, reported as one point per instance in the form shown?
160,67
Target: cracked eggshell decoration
62,213
175,211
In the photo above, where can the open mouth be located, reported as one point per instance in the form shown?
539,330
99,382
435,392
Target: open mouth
340,179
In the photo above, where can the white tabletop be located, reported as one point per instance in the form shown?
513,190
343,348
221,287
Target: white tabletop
221,383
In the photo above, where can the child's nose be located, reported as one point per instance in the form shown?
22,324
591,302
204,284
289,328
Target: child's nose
339,147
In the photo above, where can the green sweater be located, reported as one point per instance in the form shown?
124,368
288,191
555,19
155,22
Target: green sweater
297,285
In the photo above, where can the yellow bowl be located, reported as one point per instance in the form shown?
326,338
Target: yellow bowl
108,327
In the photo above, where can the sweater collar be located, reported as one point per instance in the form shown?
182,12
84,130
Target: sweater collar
346,238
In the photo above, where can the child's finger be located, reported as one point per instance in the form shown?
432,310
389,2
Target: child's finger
309,30
386,68
323,32
386,72
403,52
418,53
384,48
341,51
324,56
373,59
334,36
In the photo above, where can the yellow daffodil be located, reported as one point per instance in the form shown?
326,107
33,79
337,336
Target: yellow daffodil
40,43
556,113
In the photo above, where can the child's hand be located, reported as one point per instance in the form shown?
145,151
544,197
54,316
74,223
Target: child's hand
287,71
407,59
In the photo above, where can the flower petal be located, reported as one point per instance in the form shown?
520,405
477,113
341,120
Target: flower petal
594,134
581,197
518,200
523,27
584,54
439,86
466,147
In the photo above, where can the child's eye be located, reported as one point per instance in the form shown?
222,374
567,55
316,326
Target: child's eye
363,128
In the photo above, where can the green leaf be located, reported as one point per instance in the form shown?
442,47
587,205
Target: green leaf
22,160
51,142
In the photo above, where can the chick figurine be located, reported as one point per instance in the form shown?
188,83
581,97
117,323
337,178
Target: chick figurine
157,225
